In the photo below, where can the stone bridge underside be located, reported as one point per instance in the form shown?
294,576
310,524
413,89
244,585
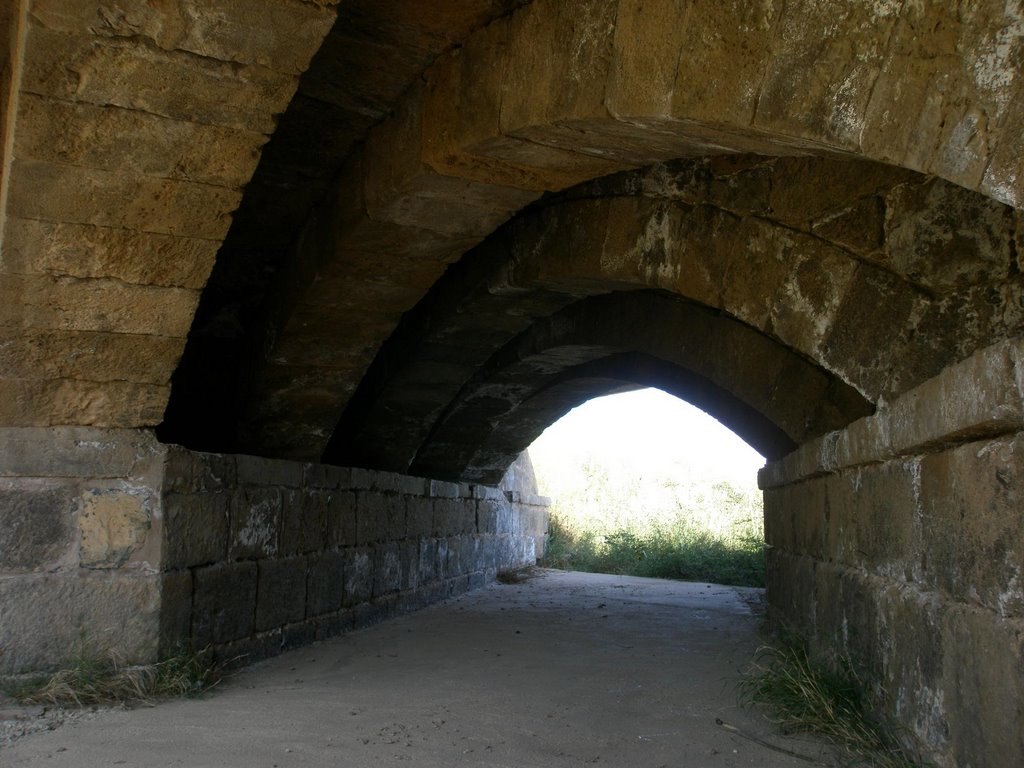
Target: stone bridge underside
286,287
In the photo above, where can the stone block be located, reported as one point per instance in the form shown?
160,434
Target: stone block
134,143
63,354
913,653
224,603
917,242
488,512
298,635
358,576
101,305
36,524
864,441
322,476
325,585
33,246
448,516
255,523
790,581
91,196
379,517
281,592
409,555
115,524
124,73
972,539
477,580
391,482
214,472
303,522
983,686
282,36
46,619
341,519
473,554
453,565
108,404
78,452
175,611
979,396
419,517
877,513
387,571
429,566
440,489
255,470
197,529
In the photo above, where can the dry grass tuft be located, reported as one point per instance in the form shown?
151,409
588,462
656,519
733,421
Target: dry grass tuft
92,681
831,702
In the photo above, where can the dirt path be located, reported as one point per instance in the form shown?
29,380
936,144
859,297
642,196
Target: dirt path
565,669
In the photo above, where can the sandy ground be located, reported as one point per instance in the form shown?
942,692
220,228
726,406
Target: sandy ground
564,669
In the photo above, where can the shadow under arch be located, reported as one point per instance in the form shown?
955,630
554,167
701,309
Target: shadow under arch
872,314
556,94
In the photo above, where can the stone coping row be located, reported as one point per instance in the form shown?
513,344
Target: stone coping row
90,452
981,396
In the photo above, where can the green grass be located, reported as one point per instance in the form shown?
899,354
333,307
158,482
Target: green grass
91,681
626,525
680,550
827,700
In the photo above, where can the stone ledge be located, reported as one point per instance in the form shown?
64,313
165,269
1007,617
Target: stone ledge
84,452
982,396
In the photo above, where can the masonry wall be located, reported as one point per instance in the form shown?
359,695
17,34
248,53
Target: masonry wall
900,542
112,541
264,555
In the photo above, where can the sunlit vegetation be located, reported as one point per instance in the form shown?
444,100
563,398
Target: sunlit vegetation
618,521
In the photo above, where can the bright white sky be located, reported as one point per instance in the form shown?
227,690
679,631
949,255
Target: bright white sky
649,429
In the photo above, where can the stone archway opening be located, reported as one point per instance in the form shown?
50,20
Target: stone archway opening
645,484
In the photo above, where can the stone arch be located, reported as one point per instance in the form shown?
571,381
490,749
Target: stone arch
838,278
763,391
497,122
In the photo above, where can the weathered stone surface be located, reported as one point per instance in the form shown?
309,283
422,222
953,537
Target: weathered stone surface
36,524
114,524
419,516
969,500
79,452
102,305
256,523
282,36
281,592
175,611
89,196
325,586
134,143
982,698
255,470
303,522
125,73
358,575
942,236
197,529
977,396
341,519
224,603
378,517
89,355
387,569
33,246
47,619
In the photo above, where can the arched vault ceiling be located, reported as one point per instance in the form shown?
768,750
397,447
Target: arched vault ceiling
557,93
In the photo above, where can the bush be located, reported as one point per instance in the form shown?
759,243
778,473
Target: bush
692,533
